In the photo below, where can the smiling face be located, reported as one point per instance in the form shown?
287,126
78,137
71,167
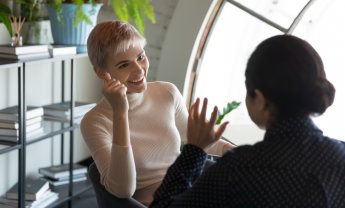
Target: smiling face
130,67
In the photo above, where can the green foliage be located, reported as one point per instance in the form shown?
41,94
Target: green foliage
229,107
5,13
32,10
134,11
80,15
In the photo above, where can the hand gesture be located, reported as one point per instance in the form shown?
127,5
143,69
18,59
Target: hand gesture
201,132
115,92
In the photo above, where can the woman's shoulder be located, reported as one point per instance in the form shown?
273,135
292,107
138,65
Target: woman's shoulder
163,86
99,112
160,84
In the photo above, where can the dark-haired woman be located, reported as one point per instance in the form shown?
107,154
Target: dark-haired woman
294,166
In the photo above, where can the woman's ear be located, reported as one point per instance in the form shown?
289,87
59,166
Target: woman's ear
260,100
100,73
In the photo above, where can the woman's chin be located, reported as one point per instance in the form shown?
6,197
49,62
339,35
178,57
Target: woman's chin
136,88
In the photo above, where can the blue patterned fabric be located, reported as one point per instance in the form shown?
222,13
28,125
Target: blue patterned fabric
294,166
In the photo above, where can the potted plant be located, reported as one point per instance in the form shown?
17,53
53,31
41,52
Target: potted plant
134,11
84,15
35,18
37,28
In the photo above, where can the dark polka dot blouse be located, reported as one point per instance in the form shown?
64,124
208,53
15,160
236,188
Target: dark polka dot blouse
294,166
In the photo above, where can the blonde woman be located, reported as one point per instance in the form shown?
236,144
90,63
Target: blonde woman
134,133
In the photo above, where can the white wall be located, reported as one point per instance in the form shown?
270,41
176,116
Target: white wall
181,39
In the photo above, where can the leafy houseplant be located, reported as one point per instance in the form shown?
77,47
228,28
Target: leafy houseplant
226,110
84,15
134,11
221,115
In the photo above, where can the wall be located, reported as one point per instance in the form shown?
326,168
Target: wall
180,41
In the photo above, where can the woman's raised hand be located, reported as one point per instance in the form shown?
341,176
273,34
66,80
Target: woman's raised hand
115,92
201,132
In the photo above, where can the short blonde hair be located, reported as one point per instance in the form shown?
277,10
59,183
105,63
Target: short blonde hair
112,37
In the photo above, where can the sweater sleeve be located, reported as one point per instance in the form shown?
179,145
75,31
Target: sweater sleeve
219,148
114,163
181,119
181,112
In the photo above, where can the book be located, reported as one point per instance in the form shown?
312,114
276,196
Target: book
26,49
76,120
65,180
34,189
46,199
63,110
15,124
15,132
61,50
60,171
9,140
65,106
29,56
11,113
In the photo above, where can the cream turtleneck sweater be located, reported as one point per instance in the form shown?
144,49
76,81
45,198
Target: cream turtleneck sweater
157,122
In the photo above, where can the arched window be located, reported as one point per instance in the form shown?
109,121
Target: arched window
237,28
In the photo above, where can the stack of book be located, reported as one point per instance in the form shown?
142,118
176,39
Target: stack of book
62,112
9,123
59,174
37,194
62,50
26,52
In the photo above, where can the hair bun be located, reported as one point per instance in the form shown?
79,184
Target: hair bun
321,96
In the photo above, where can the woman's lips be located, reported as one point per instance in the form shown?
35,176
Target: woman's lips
137,81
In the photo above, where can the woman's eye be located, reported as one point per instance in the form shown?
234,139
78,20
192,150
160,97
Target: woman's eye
123,66
141,57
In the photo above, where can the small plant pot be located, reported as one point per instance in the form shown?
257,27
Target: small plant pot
37,32
65,32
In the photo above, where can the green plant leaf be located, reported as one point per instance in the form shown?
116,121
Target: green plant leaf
150,13
226,110
135,15
80,15
120,8
134,11
5,13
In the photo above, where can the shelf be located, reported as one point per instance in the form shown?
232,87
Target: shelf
9,63
55,59
5,64
50,129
